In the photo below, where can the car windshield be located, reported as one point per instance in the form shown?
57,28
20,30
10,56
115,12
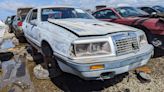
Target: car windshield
130,12
63,13
159,8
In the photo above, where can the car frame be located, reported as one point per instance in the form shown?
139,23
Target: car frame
153,11
65,43
153,27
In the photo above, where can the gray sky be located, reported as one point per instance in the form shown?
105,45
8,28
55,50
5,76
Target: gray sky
8,7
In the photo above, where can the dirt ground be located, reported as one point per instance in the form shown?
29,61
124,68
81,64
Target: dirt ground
127,82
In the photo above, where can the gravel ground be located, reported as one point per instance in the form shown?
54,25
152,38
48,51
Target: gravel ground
134,85
126,82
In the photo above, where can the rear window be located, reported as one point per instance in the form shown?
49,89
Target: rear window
23,17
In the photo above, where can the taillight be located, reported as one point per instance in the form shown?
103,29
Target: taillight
20,23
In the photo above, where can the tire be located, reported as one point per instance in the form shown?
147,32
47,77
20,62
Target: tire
50,61
37,57
10,30
22,39
158,52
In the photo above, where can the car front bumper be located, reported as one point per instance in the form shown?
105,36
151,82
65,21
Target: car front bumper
112,65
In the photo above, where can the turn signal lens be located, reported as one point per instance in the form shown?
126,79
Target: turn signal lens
20,23
96,67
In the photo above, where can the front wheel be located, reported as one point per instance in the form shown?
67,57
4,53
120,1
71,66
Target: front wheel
154,40
50,61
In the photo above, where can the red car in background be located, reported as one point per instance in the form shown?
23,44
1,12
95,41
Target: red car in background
153,27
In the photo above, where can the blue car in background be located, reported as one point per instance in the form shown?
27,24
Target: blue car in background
157,11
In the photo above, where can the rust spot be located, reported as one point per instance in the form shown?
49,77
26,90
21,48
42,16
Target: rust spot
144,69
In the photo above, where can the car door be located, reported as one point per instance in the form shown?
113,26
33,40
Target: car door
32,27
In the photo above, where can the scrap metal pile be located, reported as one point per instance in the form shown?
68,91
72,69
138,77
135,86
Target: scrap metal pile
14,76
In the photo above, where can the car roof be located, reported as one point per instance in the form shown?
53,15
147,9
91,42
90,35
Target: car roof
145,7
105,8
56,6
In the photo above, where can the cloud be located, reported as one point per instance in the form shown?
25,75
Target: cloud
8,7
111,3
11,6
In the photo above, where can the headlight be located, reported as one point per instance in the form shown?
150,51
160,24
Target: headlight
100,48
82,49
91,49
143,39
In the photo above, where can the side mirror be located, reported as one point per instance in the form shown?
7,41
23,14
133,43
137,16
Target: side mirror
33,22
153,13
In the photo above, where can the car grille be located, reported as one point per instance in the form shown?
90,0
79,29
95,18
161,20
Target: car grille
126,43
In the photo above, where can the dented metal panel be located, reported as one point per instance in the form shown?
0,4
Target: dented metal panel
89,27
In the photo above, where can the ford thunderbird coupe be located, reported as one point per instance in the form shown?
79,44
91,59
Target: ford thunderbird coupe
73,41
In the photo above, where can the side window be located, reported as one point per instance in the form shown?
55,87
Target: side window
33,16
148,10
28,16
105,14
15,18
19,19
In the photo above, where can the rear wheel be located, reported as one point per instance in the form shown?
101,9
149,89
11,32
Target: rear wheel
22,39
50,61
151,39
10,28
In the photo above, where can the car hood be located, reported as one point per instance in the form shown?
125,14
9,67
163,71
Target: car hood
89,27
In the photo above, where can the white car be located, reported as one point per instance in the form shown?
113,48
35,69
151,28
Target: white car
81,45
2,31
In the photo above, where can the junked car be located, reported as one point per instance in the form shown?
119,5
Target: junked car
159,8
156,11
153,27
2,31
18,22
72,41
9,21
